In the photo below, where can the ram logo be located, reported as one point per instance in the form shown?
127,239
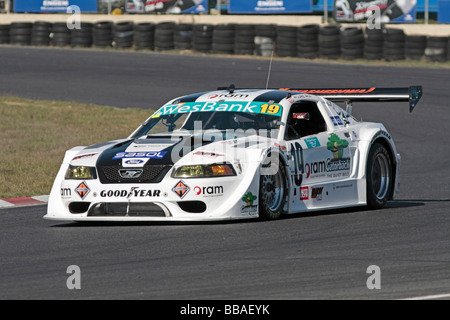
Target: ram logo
130,174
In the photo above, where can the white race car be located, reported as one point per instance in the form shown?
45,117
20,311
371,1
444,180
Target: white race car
235,154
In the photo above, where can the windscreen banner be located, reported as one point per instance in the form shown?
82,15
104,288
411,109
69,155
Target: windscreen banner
166,6
269,6
54,6
386,11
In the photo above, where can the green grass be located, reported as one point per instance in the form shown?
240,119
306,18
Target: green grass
35,134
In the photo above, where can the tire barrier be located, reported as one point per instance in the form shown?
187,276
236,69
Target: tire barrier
40,33
144,36
183,36
102,34
436,50
4,33
20,33
61,35
202,38
223,39
415,47
265,39
244,39
123,35
373,44
330,42
352,43
82,37
394,45
308,41
164,36
286,41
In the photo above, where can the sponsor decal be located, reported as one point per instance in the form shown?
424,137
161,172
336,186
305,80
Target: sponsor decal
146,155
225,106
312,142
337,121
66,192
335,167
207,154
301,116
250,207
130,174
316,193
304,193
337,146
133,192
85,156
209,191
228,96
82,190
331,91
181,189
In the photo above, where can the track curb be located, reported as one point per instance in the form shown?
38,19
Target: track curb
23,201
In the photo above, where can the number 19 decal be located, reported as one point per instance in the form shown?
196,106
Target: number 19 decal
270,109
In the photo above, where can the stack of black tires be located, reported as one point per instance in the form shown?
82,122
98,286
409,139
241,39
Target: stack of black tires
4,33
102,34
40,33
82,37
123,35
437,49
20,33
144,36
244,39
223,39
164,36
62,36
330,42
415,47
183,36
352,43
373,44
265,39
308,41
394,44
286,41
202,38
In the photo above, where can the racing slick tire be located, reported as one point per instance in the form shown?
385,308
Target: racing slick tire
272,193
379,176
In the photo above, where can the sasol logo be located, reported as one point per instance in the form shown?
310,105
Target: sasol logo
148,155
213,190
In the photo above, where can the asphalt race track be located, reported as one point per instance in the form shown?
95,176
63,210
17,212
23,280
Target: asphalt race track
320,256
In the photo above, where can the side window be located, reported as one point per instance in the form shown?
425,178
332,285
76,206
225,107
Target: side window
304,119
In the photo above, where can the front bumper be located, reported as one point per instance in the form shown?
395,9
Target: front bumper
170,200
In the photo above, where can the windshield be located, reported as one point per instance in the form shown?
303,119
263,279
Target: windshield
224,116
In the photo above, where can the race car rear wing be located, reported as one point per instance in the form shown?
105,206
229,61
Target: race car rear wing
412,95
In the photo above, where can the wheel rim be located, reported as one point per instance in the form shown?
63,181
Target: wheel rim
380,176
273,191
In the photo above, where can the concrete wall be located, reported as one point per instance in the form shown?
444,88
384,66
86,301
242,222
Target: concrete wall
288,20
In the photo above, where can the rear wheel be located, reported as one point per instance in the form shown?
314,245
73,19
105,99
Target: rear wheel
379,176
272,194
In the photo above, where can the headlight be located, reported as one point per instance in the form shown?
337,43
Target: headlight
81,173
204,171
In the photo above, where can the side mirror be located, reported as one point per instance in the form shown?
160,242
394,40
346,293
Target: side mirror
301,116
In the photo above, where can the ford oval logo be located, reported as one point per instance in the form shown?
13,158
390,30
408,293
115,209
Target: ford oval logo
134,161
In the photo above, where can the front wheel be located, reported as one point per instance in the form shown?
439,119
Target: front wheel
272,194
379,177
